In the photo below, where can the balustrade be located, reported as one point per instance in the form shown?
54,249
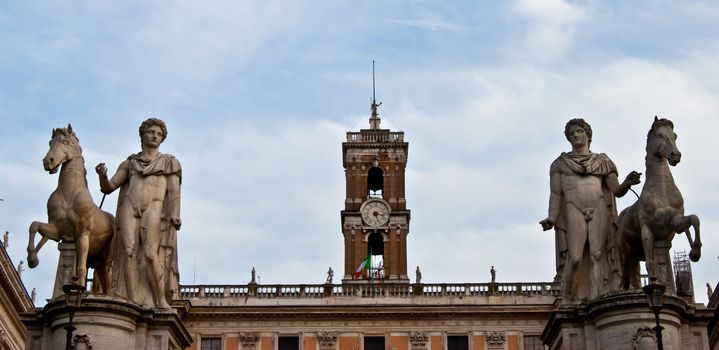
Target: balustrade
431,290
375,136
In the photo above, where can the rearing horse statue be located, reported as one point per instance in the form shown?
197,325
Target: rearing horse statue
648,226
72,215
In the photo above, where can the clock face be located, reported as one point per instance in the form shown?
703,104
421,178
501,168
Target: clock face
375,213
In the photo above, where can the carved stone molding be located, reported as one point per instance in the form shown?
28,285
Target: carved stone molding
496,338
399,222
249,340
418,340
327,340
644,339
81,342
4,339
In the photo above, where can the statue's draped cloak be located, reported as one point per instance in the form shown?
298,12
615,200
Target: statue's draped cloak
593,164
163,165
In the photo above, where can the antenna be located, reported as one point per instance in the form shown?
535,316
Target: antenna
373,95
374,120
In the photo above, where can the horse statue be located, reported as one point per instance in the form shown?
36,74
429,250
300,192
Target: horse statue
647,227
72,215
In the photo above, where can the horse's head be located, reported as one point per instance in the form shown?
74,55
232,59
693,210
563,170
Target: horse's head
64,146
661,141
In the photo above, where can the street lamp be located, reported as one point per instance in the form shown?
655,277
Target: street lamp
655,296
73,297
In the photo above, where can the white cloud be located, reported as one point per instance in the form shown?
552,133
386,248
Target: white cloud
551,27
434,24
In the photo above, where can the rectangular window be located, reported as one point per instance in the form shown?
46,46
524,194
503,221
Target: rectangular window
288,343
457,342
373,343
532,342
211,344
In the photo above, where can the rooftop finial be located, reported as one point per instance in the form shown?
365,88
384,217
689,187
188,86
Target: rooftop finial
374,120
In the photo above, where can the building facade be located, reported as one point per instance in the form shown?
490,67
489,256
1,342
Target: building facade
14,300
375,306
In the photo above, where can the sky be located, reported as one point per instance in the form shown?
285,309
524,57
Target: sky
258,96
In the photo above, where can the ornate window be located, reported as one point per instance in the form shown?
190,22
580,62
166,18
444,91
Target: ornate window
288,343
373,343
457,342
213,343
532,342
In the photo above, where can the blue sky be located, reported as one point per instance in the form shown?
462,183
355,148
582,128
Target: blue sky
258,97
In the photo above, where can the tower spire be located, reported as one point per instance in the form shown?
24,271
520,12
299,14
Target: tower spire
374,120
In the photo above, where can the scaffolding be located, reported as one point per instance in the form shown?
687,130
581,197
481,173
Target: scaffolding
683,274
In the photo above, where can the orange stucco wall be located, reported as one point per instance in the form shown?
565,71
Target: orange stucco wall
232,343
436,342
400,342
309,343
513,342
266,343
478,342
349,343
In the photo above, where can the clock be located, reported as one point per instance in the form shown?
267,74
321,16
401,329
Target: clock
375,212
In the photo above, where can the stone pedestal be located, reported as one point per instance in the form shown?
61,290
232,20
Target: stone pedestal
104,322
66,265
623,320
665,273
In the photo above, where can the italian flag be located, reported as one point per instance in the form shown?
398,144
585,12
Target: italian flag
365,264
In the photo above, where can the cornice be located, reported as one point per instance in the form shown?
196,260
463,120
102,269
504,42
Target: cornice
371,311
12,284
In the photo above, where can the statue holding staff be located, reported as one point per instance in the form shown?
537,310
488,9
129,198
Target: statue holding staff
148,215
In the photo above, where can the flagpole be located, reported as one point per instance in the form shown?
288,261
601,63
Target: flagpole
370,269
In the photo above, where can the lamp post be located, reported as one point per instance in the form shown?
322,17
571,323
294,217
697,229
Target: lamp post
655,296
73,297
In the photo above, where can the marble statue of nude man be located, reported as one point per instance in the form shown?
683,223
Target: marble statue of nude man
149,184
582,208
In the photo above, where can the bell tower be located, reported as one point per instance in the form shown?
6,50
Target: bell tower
375,220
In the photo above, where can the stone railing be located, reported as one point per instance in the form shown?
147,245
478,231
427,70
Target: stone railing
467,289
375,136
292,291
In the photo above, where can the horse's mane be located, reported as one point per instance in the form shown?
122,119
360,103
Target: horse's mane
67,132
659,123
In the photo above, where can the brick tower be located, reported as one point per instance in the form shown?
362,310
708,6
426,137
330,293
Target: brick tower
375,219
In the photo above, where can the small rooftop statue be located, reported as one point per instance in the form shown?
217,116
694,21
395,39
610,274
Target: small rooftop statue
330,275
418,275
6,240
254,275
493,272
20,269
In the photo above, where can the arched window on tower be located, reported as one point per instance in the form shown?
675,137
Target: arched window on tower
375,182
375,247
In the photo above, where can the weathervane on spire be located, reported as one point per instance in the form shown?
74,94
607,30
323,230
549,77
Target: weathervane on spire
374,120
